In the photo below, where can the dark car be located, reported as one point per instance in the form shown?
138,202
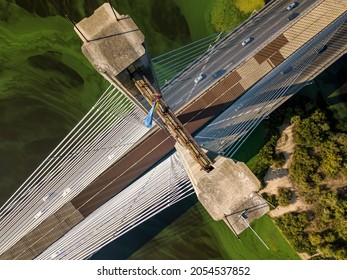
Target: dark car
322,49
219,73
287,70
293,16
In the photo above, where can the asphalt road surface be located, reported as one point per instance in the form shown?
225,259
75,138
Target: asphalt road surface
229,53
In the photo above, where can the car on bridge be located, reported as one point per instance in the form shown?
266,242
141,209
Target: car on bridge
46,197
293,16
322,49
38,214
292,6
199,78
287,70
238,107
66,192
219,73
247,41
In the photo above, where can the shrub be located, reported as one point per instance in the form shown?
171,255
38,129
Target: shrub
285,196
272,199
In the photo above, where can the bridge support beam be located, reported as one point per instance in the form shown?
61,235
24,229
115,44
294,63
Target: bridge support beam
113,43
227,192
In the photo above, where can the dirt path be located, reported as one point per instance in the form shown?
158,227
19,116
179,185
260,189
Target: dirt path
277,178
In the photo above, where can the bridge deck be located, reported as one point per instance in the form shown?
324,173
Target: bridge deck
36,241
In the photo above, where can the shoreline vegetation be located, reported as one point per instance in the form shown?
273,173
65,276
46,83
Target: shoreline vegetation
318,175
308,188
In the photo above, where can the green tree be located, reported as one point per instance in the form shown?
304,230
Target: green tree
312,131
272,199
303,168
315,239
285,196
332,158
293,226
341,140
265,157
329,237
278,160
295,120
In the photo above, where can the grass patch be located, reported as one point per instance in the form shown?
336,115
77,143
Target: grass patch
195,235
252,162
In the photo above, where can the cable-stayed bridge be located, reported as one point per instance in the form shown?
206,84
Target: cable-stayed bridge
66,202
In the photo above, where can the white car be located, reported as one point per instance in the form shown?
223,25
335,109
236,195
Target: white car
46,197
66,192
111,156
292,6
246,41
38,214
55,254
198,79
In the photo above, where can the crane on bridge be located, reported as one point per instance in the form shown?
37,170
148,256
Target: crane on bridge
172,123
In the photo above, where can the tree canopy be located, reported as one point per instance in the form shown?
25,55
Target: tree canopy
320,153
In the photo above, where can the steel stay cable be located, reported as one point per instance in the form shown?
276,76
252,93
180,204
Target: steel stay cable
178,59
124,202
97,218
181,61
173,68
94,247
64,219
177,49
99,245
237,127
241,126
173,58
245,136
135,221
192,65
21,205
29,185
44,162
127,198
